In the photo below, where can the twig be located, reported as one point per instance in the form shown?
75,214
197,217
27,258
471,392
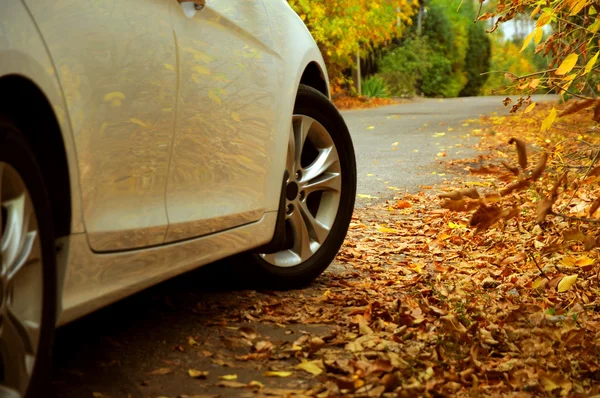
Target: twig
478,12
584,219
538,266
572,93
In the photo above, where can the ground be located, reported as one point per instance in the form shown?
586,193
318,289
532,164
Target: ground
416,304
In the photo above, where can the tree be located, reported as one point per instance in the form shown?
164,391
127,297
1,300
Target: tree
343,28
571,48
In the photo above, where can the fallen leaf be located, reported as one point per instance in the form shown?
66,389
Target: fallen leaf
566,283
162,371
203,374
228,377
275,373
311,367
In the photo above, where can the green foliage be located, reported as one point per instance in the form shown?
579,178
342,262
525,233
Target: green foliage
401,67
344,28
446,60
375,87
477,60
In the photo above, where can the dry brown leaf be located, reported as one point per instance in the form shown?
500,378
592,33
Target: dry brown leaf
540,167
512,169
521,151
576,106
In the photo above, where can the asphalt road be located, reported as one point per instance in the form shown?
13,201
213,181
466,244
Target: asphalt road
124,349
397,145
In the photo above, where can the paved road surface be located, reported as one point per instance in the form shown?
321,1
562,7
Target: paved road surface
113,352
420,130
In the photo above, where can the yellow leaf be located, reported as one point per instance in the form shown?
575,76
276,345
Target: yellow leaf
388,230
365,196
543,20
214,97
113,95
539,34
550,119
536,10
590,64
395,143
202,70
197,373
169,67
584,261
456,226
530,107
310,367
534,83
567,65
191,341
370,127
577,6
139,122
548,384
527,41
568,261
566,283
228,377
235,116
255,383
272,373
539,282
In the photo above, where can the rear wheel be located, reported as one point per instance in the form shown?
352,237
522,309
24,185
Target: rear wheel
27,269
319,192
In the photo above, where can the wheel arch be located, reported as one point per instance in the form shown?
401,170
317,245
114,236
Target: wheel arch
314,76
43,133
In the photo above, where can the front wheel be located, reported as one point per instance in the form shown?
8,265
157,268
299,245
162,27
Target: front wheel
27,269
319,192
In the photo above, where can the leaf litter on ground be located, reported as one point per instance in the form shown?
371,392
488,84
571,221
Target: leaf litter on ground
477,287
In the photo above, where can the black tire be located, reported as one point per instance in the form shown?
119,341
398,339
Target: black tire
311,102
15,150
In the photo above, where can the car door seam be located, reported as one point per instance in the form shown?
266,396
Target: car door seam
174,131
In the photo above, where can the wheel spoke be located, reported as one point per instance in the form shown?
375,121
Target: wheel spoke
301,129
18,211
326,158
291,155
14,344
24,255
301,235
315,229
324,182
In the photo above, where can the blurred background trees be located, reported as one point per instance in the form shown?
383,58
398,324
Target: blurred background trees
417,47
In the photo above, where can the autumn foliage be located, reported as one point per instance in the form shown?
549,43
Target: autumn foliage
344,28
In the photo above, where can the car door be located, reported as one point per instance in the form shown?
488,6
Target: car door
116,62
226,112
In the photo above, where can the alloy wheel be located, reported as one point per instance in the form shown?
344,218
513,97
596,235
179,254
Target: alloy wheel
21,284
313,190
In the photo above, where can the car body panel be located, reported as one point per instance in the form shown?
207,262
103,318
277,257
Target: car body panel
226,108
92,279
95,280
117,73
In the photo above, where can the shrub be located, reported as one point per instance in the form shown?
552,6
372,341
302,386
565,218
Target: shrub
375,87
401,67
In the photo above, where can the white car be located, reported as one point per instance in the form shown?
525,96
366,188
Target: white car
140,139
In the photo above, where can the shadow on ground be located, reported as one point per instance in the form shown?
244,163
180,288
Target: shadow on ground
144,345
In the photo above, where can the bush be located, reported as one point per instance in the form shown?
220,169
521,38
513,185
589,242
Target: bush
477,60
375,87
401,67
